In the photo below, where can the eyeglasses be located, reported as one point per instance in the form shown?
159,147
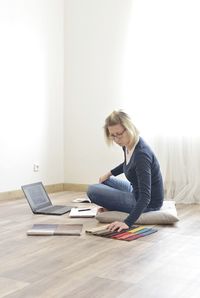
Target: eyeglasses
118,135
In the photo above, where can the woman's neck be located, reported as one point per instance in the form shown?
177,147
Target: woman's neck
130,145
133,142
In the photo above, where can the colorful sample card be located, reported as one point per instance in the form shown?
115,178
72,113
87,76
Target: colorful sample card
133,233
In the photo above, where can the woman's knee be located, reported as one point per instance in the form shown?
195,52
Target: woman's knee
92,192
110,181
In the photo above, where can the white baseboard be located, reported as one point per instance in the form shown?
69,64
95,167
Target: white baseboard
17,194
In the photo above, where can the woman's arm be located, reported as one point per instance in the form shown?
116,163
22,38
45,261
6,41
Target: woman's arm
118,170
105,177
143,176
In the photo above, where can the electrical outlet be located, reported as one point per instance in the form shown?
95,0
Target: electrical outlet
35,168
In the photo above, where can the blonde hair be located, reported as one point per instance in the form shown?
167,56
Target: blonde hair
120,117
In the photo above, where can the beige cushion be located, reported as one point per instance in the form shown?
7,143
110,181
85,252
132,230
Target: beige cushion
166,215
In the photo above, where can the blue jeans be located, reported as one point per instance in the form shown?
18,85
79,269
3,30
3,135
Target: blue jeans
114,194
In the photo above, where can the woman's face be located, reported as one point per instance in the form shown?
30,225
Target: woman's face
119,134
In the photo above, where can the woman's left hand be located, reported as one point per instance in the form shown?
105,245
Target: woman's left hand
117,226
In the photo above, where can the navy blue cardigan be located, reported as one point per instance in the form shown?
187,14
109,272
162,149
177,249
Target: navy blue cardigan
143,172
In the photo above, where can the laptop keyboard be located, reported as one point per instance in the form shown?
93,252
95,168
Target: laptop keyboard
54,208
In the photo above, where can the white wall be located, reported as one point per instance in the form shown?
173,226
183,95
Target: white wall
94,35
31,92
142,56
79,51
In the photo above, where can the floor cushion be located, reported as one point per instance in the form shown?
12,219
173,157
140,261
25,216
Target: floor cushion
166,215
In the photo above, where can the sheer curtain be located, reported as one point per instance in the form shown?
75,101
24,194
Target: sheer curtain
160,74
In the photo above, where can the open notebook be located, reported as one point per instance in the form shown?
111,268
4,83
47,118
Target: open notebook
83,212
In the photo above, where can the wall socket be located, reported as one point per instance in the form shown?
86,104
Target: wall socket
35,168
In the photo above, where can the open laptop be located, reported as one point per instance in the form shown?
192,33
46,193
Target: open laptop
40,202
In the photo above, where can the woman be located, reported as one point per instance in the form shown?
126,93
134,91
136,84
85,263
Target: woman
143,189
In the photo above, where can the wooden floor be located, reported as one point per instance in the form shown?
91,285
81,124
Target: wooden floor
163,265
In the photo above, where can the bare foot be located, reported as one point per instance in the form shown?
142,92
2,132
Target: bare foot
101,209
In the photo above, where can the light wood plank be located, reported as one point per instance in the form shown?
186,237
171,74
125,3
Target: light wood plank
9,286
164,264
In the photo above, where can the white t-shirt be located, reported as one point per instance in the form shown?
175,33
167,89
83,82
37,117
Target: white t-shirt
129,153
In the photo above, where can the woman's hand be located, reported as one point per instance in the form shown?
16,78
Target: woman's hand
117,226
104,177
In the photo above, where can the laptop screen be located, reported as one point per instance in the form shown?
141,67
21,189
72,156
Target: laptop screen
36,195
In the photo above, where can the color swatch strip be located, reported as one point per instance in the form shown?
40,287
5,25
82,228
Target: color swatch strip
128,235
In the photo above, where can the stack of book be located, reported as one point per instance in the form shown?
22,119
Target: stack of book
133,233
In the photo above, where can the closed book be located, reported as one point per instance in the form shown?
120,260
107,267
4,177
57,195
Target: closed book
55,229
81,200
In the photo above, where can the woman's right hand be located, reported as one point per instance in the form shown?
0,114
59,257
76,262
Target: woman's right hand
105,177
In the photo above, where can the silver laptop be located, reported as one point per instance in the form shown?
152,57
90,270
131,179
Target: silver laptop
40,202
